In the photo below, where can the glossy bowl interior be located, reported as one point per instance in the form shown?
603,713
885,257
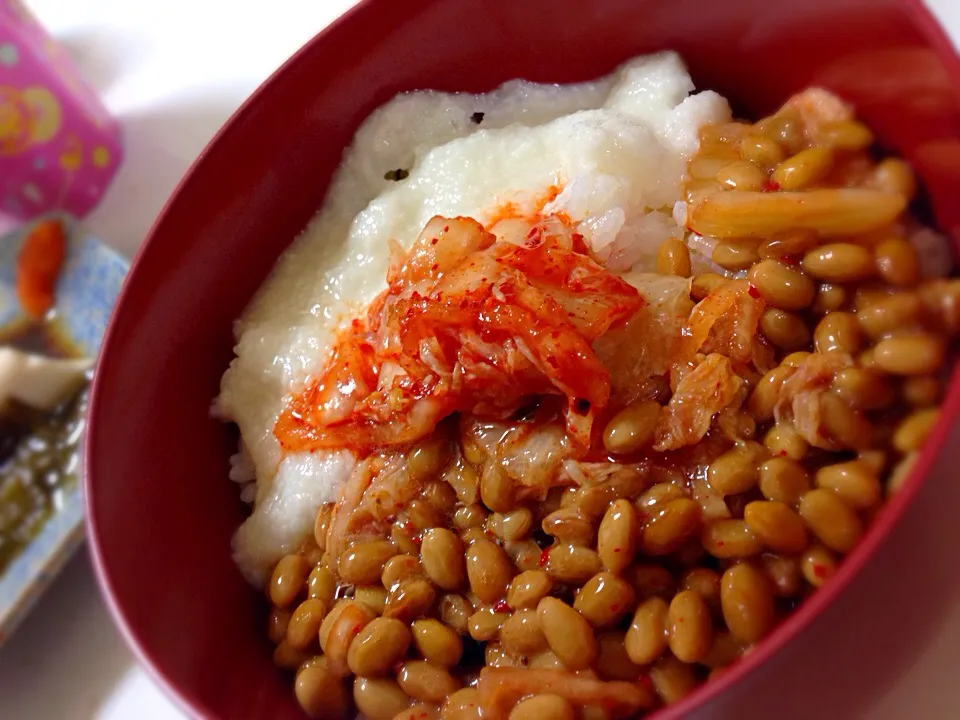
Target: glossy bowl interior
160,508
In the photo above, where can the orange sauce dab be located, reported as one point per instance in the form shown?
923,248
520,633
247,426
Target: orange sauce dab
38,266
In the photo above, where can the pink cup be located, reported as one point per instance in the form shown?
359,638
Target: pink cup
59,149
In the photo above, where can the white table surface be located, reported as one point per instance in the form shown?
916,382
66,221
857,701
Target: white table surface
173,72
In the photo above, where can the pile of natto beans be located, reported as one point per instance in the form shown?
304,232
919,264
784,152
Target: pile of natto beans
626,580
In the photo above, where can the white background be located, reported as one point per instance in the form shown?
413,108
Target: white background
173,71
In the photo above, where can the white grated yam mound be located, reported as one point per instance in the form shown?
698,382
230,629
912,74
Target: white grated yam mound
618,149
302,484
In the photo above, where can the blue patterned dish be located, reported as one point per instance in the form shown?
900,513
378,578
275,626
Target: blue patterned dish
88,286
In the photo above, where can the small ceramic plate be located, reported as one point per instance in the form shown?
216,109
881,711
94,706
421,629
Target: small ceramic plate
86,291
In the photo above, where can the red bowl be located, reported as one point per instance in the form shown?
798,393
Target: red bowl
160,508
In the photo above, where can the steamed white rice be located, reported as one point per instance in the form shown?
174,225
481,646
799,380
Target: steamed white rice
617,148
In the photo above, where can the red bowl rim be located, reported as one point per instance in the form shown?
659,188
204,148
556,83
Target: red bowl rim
786,631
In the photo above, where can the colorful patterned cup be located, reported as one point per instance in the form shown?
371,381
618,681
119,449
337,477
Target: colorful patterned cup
59,149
